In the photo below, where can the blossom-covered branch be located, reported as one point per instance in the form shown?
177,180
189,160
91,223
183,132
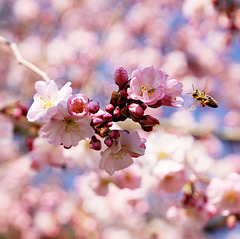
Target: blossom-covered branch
72,118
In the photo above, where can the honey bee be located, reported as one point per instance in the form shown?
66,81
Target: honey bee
204,99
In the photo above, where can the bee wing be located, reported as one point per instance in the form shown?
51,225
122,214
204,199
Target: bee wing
192,106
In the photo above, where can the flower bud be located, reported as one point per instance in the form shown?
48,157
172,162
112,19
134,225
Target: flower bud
107,116
109,124
93,107
114,134
97,121
95,143
108,141
78,105
103,131
147,128
121,77
109,108
116,112
148,121
136,110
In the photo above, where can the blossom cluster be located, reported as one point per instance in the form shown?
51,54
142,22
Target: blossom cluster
70,118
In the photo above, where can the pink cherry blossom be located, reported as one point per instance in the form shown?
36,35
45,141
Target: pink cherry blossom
119,155
173,92
147,85
136,110
46,98
225,193
65,129
78,105
171,175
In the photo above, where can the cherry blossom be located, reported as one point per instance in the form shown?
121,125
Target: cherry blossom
46,99
119,155
225,193
78,105
147,85
65,129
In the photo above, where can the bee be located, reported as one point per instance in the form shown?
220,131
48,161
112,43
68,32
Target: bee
204,99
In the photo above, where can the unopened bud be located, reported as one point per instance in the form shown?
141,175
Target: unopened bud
97,121
104,131
107,116
147,128
116,112
148,121
108,141
95,143
109,108
136,110
93,106
121,77
114,134
108,124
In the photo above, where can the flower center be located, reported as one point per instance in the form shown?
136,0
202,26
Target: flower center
46,102
231,197
162,155
147,87
71,125
120,154
78,107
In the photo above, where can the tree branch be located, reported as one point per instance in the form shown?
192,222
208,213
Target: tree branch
22,61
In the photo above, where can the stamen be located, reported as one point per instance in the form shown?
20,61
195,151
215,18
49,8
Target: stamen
47,102
120,154
78,107
71,125
147,87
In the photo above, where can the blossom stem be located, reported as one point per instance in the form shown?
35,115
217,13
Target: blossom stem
22,61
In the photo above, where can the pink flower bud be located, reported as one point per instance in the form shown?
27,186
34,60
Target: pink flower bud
136,110
107,116
109,124
108,141
114,134
109,108
93,106
116,112
97,121
95,143
148,121
121,77
78,105
103,131
147,128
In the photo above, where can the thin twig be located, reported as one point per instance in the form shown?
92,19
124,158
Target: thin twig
22,61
